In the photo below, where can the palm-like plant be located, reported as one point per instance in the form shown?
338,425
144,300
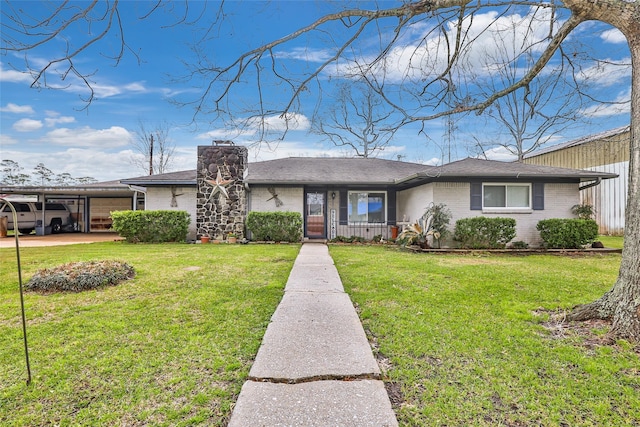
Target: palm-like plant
417,234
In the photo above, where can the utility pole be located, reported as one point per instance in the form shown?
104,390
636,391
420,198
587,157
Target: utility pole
151,156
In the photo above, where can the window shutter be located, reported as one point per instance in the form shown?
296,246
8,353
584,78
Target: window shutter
343,209
476,196
391,207
538,195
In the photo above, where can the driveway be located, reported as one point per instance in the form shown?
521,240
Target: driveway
31,240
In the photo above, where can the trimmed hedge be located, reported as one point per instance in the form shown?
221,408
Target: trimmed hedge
561,233
484,233
151,226
275,226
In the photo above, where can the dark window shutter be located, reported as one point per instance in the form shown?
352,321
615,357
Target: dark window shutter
391,207
538,196
476,196
344,210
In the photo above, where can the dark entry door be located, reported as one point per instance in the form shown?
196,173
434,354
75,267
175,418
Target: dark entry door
315,215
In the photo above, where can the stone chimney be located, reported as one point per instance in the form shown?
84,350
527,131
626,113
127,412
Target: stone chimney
221,199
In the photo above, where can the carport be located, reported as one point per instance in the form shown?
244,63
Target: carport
90,204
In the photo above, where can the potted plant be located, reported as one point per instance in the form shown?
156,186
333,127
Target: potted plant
204,239
232,238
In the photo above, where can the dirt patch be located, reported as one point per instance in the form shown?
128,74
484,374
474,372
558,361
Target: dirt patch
394,390
591,332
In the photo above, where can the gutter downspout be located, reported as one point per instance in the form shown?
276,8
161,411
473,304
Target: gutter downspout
591,184
136,189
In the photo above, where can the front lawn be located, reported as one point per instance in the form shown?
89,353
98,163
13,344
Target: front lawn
466,339
171,347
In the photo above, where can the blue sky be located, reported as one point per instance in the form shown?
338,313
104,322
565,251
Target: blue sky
57,128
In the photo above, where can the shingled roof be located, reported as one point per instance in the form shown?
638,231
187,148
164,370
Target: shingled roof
187,177
359,171
331,170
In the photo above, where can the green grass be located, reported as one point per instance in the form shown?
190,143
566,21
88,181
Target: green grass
466,345
170,347
611,241
463,336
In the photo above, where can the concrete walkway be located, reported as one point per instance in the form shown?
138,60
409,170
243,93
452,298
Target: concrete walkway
315,366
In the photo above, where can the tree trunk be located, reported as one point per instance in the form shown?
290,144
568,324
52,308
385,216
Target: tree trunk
622,303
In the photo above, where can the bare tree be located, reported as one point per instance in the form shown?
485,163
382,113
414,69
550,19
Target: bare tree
155,147
358,120
530,116
414,75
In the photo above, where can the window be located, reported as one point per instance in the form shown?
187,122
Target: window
506,196
367,207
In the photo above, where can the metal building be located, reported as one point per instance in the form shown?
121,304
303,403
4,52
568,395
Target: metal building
604,152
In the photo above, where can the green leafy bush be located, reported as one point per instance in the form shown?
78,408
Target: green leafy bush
484,233
80,276
560,233
151,226
275,226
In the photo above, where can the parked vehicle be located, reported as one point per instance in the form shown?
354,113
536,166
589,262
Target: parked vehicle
56,215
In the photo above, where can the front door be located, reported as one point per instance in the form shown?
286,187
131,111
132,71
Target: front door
315,218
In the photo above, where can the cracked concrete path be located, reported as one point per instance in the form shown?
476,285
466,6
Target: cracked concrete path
315,366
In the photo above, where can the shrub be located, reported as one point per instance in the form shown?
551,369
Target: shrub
275,226
560,233
484,233
80,276
151,226
583,211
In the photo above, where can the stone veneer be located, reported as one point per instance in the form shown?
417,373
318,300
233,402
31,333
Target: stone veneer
217,215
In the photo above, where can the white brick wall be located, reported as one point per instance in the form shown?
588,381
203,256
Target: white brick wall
159,198
558,200
292,199
412,203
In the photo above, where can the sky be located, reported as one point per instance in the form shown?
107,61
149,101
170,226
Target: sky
55,125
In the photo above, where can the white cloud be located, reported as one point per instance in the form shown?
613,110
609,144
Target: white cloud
621,105
115,136
500,154
52,121
424,54
107,90
613,36
290,121
608,72
27,125
13,76
225,134
17,109
7,140
306,54
248,129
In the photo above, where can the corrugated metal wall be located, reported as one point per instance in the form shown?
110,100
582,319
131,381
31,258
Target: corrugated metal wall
606,154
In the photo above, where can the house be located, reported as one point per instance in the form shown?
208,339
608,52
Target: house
605,152
357,196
